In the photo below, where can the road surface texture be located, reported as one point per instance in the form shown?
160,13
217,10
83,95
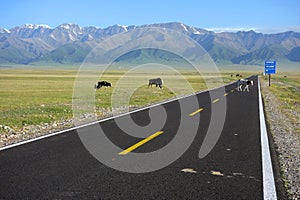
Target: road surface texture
60,167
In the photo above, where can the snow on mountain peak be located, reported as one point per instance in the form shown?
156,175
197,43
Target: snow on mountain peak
36,26
4,30
69,26
65,26
123,26
184,27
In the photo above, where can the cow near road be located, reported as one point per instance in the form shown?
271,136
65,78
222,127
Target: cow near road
101,84
244,82
156,82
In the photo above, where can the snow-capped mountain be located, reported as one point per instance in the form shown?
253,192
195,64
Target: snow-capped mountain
32,42
4,31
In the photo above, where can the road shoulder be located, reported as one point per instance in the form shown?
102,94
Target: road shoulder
285,141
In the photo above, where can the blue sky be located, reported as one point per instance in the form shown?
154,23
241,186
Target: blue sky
260,15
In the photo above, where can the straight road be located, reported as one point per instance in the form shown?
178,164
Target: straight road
60,167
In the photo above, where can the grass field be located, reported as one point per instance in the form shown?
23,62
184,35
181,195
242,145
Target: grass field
34,96
286,87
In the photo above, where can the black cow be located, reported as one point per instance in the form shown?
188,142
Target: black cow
156,82
102,83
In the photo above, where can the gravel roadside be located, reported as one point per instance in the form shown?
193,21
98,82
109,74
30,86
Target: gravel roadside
286,139
12,136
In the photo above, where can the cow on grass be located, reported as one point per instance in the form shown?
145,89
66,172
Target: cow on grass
156,82
102,84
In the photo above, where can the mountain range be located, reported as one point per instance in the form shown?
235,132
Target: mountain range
70,43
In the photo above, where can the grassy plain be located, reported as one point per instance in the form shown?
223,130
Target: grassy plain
286,87
34,96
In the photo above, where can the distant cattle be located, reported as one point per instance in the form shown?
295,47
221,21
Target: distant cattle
238,75
101,84
156,82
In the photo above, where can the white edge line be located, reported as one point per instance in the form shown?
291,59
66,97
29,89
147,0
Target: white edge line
269,189
106,119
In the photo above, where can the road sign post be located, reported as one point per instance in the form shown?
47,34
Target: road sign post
270,68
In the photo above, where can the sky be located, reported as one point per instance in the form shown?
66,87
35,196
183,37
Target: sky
267,16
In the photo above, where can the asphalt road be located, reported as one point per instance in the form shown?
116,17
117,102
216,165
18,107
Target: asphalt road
60,167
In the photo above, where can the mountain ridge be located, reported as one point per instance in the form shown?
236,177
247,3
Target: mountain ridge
70,43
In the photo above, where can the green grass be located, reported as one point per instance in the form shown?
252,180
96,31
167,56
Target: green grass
287,90
34,96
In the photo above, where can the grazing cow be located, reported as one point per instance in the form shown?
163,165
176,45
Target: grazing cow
156,82
243,82
102,83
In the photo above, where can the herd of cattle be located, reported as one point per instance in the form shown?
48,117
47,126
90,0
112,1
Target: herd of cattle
158,82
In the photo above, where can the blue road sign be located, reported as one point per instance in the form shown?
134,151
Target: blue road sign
270,67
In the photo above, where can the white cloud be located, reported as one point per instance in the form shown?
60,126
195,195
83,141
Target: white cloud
278,29
229,29
266,30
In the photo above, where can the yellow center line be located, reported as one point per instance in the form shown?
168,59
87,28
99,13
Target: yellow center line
225,94
197,111
215,101
140,143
